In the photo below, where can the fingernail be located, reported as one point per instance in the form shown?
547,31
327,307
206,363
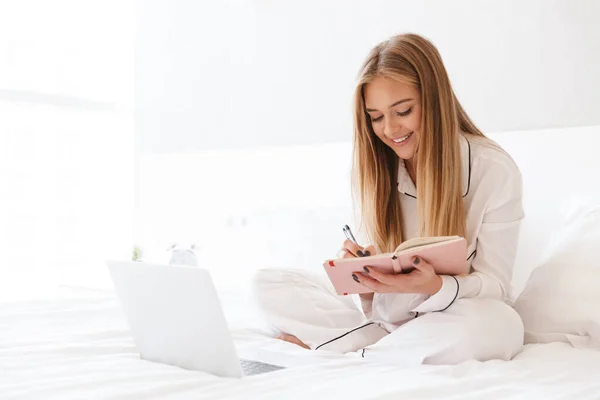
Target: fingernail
360,253
366,269
355,278
417,260
367,253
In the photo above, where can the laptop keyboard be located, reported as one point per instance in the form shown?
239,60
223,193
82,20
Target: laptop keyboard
256,367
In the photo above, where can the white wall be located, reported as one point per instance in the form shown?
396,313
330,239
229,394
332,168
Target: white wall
246,208
66,142
249,73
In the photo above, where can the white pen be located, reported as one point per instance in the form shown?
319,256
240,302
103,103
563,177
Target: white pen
348,233
350,236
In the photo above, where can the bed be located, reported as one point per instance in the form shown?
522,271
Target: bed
78,346
81,349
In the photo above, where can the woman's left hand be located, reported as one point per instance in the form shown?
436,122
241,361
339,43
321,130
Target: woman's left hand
422,279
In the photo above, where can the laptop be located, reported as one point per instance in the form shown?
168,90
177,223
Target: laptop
175,318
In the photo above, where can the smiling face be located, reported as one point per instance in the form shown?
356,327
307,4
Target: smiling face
395,112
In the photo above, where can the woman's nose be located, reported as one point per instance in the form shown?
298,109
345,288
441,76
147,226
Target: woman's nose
391,128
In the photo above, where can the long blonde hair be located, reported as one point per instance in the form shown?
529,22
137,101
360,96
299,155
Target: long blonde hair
413,60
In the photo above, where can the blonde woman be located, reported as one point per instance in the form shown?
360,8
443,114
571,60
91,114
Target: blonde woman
421,168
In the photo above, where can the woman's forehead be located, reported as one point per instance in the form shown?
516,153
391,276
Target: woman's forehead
384,91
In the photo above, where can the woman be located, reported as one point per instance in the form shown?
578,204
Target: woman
421,168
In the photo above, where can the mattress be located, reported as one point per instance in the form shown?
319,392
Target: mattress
80,348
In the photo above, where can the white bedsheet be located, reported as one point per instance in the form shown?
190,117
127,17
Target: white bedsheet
81,349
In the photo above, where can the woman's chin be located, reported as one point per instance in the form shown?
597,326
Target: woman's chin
406,149
405,153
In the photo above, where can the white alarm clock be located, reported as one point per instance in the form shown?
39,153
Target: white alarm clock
183,254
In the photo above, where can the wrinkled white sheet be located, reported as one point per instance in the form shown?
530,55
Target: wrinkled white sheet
81,349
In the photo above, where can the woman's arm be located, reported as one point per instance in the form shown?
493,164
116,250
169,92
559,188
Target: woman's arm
497,241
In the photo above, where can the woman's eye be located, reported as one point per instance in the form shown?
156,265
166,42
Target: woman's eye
377,119
404,113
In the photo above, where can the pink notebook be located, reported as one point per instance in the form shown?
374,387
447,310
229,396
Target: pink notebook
448,255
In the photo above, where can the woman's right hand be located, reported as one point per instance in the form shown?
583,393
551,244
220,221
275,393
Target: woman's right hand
352,250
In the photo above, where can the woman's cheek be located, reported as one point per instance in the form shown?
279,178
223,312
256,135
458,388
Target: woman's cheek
378,131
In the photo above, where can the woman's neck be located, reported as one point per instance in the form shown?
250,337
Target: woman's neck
411,169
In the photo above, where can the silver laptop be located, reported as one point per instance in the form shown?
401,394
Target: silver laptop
175,317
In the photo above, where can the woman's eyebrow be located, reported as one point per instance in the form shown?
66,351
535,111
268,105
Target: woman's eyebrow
393,105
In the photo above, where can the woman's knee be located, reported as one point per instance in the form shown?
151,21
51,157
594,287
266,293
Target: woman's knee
275,278
492,329
270,284
265,277
267,280
497,317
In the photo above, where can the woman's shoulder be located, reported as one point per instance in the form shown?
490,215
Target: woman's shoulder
496,181
489,156
493,171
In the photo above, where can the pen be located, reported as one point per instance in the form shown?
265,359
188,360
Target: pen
350,236
348,233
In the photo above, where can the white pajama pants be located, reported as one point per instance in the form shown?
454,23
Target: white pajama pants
299,303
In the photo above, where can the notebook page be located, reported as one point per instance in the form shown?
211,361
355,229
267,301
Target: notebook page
423,241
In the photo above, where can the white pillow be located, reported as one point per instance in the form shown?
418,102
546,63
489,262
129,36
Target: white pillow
537,230
561,301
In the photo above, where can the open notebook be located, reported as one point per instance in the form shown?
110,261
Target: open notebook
447,254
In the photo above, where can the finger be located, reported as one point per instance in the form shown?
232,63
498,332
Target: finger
341,254
370,250
371,283
382,277
344,253
353,248
422,265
